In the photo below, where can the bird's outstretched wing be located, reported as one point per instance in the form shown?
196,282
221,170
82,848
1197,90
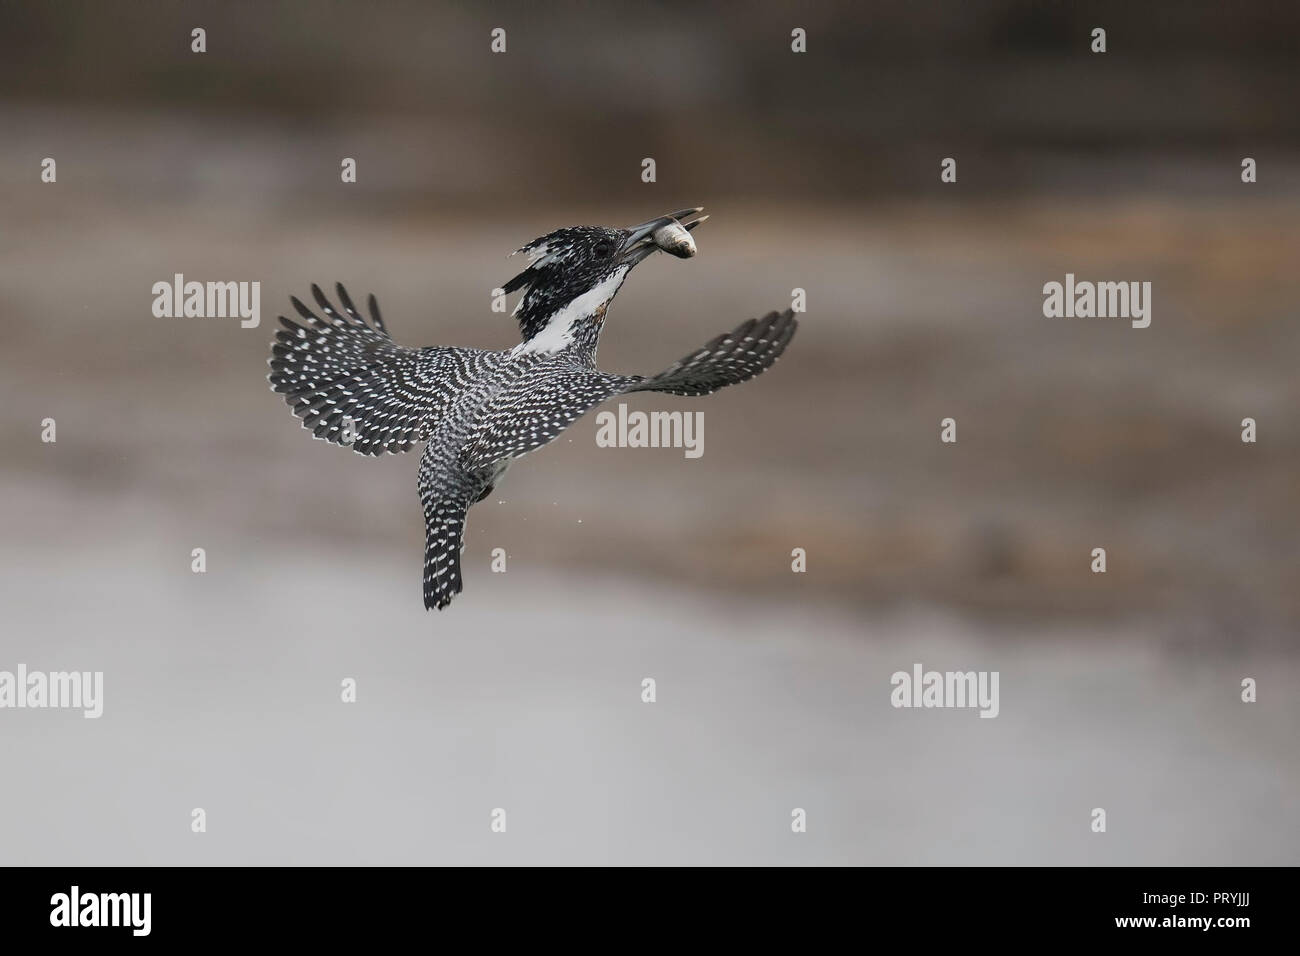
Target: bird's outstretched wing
731,358
350,383
563,390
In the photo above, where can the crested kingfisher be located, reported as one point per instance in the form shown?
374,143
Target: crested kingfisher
476,409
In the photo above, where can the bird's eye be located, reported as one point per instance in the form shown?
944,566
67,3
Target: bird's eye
604,249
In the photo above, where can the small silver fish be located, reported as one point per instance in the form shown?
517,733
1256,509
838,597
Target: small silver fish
675,240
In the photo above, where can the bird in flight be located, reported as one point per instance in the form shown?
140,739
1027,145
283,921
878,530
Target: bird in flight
477,409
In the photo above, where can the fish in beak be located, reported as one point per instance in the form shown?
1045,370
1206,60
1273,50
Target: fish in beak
670,234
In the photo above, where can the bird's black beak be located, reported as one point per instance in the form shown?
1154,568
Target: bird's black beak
669,233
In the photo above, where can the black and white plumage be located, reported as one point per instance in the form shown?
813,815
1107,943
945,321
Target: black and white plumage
350,383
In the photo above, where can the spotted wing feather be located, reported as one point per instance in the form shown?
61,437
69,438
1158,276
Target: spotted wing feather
539,406
550,400
731,358
350,383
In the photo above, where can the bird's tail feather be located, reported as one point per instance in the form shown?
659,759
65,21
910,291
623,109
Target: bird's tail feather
444,538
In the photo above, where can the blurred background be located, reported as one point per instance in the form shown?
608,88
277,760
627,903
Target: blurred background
821,171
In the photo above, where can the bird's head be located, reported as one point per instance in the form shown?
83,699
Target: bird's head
574,273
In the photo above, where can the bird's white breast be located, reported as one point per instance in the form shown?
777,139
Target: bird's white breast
559,329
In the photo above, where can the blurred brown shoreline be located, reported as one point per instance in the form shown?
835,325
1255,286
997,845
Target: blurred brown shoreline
1073,434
